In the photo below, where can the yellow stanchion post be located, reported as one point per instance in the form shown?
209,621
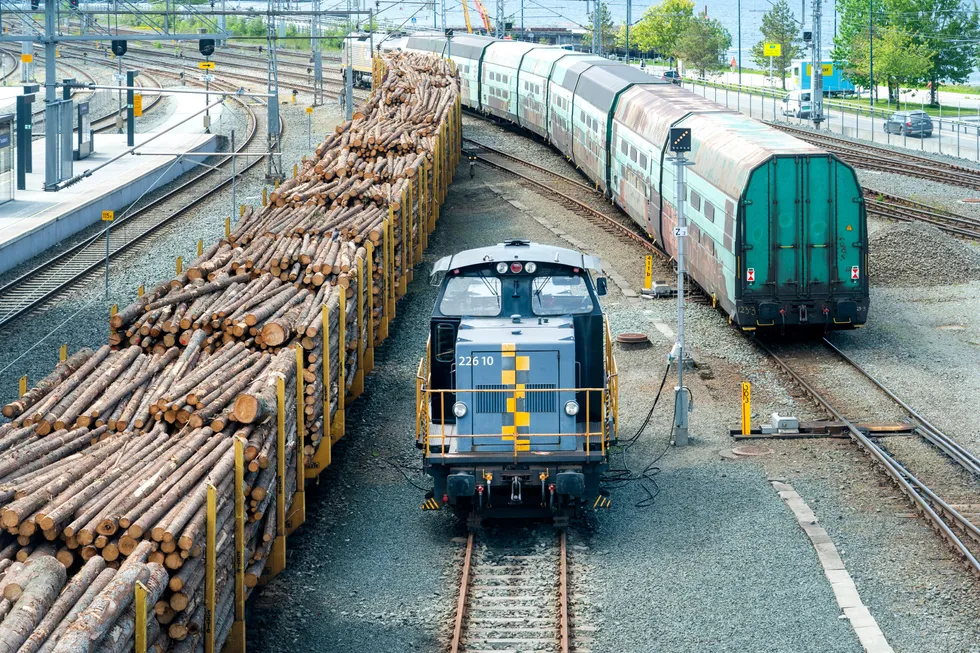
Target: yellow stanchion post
277,558
369,345
209,568
383,299
390,244
648,273
420,223
298,514
408,231
241,210
139,604
236,638
403,280
180,265
357,385
63,353
746,408
200,247
295,170
424,205
322,457
265,196
113,309
339,423
22,387
227,227
141,291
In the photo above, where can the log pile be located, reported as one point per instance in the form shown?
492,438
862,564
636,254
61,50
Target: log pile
105,463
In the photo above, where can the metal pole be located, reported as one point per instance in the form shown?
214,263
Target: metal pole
309,131
740,42
681,400
871,58
629,19
107,229
234,176
349,87
816,75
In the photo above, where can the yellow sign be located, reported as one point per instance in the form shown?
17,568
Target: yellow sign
772,50
826,68
137,105
108,216
27,58
746,408
309,109
648,273
206,65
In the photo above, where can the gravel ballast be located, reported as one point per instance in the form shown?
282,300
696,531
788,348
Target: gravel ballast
917,254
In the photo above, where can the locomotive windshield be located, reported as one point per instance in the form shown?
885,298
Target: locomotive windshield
560,296
472,296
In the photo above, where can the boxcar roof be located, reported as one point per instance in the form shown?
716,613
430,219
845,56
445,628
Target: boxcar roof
517,251
540,60
727,147
650,109
507,53
599,84
467,46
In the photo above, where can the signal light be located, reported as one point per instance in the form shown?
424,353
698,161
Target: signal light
73,4
34,4
206,47
516,267
445,498
119,48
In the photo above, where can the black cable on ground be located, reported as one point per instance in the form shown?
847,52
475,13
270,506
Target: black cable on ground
401,470
617,478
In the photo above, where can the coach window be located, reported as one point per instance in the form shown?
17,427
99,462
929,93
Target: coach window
695,201
709,211
643,161
633,154
623,147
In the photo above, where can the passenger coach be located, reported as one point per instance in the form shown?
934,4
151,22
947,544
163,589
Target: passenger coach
777,227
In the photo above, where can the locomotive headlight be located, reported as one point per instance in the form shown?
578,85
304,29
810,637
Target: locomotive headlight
531,268
459,409
501,268
571,408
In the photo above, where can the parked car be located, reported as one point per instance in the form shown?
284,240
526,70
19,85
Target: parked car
671,76
909,123
794,102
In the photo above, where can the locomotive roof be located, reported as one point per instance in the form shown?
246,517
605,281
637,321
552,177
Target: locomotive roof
517,250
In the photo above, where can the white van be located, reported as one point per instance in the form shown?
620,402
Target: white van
796,104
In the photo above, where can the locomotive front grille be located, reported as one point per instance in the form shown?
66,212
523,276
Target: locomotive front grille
493,401
541,402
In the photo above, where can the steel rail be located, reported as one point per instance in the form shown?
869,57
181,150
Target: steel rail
909,484
563,639
964,457
464,587
535,166
86,263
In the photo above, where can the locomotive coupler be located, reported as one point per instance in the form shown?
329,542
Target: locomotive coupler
515,491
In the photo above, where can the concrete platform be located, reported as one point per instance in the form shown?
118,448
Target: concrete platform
36,220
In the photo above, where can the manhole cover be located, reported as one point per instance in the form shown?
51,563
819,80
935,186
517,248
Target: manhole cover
751,450
970,200
951,327
633,340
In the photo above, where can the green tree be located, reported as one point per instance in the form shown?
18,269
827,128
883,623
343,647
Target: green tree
661,26
779,26
703,44
899,60
948,30
607,31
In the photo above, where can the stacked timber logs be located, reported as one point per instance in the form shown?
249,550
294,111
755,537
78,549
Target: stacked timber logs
106,464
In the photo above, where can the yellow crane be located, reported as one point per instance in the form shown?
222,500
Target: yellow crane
466,17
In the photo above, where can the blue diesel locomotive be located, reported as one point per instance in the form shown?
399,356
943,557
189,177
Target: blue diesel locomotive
516,398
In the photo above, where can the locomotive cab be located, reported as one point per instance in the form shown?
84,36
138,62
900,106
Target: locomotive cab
517,392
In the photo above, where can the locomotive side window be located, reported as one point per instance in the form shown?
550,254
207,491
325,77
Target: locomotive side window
472,296
445,343
560,296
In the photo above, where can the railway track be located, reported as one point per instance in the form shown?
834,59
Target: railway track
513,598
949,499
10,70
610,221
898,208
873,157
52,277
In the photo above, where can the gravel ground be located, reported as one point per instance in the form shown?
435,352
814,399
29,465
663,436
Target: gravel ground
942,259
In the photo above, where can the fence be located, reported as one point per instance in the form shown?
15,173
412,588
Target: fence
951,136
